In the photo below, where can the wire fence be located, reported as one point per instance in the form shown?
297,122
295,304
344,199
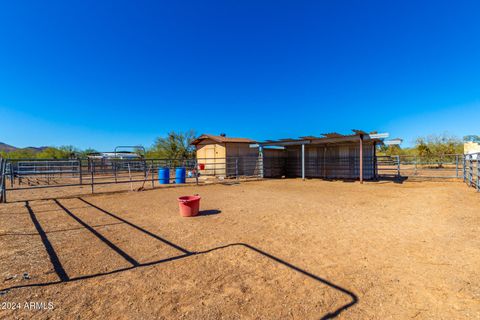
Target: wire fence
3,177
329,167
441,166
471,170
30,174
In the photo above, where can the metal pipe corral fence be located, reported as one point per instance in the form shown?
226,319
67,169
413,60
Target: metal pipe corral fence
32,174
29,174
471,175
3,177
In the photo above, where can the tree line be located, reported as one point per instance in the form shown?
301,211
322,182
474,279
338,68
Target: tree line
430,147
177,145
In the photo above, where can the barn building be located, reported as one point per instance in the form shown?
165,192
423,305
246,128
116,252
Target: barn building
330,156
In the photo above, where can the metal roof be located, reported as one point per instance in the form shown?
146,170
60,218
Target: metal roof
332,137
221,139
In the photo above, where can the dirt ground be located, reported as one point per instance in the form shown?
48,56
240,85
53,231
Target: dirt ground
275,249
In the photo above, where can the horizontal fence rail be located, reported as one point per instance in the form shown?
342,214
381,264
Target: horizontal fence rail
28,174
442,166
471,170
3,176
31,174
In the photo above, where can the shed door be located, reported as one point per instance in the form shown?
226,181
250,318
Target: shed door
210,152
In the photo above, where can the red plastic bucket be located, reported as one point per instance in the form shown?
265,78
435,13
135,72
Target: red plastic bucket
189,205
201,166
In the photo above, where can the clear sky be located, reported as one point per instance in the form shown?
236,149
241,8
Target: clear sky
105,73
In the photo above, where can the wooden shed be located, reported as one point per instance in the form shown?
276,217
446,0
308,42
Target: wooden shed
225,156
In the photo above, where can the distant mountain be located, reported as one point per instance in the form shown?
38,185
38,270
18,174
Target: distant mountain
9,148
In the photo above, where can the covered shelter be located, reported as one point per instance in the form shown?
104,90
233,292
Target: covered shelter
330,156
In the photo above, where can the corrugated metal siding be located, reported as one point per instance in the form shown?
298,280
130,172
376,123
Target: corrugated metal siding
331,161
274,161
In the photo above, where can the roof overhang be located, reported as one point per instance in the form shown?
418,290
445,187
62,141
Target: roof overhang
327,138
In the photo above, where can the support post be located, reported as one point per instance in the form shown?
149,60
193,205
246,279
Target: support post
398,166
375,174
303,161
91,174
470,169
478,172
4,186
361,158
415,172
130,176
456,165
261,166
152,174
196,171
4,197
80,171
324,162
236,168
12,175
145,173
464,168
2,180
114,164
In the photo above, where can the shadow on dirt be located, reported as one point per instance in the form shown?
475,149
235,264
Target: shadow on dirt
63,276
209,212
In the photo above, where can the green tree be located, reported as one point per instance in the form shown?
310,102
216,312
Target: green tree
52,153
69,152
391,150
176,145
473,138
86,152
438,148
19,154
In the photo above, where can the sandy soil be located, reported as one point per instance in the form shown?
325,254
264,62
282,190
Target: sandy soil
278,249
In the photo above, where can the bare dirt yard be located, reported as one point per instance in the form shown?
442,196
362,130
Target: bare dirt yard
275,249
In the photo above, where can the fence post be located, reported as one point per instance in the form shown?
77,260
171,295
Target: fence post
415,171
236,168
145,173
261,162
12,176
80,170
4,181
303,161
4,184
91,172
398,166
1,180
456,165
114,164
478,172
152,174
196,170
470,170
464,168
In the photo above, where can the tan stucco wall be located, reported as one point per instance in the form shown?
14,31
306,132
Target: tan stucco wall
212,154
471,147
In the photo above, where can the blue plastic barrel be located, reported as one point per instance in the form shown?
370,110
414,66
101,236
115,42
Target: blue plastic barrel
163,175
180,175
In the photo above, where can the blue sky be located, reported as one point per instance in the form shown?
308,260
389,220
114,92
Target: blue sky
105,73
